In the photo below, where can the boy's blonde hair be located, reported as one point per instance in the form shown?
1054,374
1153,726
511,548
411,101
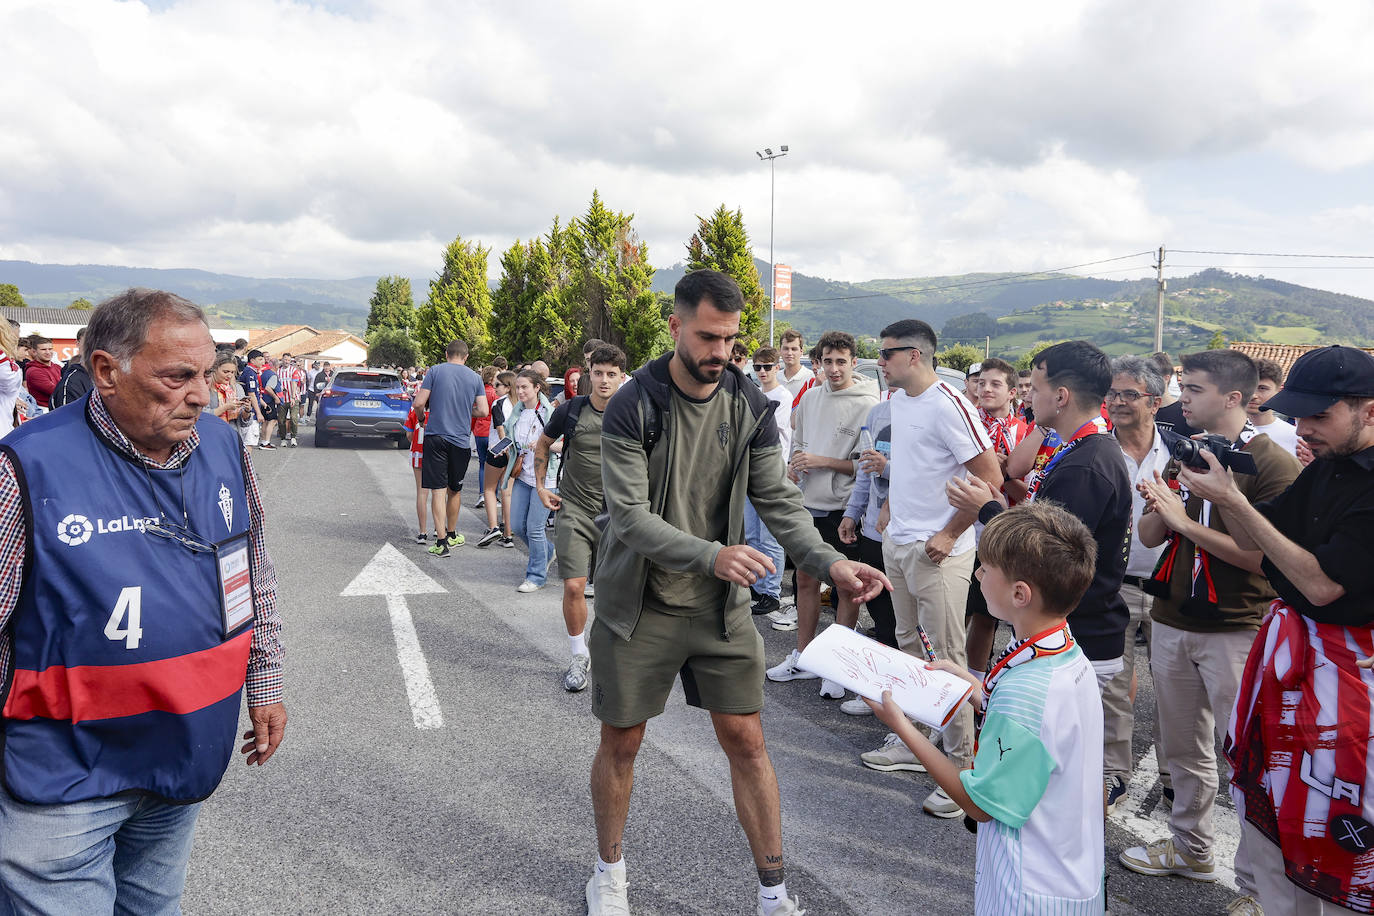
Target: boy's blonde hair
1046,547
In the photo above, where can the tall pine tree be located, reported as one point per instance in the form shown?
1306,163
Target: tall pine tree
459,305
722,244
610,283
529,320
392,305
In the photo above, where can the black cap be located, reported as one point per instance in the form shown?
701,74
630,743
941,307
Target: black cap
1322,377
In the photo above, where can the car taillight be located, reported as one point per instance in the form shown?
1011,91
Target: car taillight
330,392
398,396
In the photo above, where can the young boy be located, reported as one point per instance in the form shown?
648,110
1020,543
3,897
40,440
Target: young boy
415,426
1036,782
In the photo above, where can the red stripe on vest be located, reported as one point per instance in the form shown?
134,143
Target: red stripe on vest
89,692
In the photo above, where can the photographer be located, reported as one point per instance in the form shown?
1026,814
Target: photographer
1299,739
1210,596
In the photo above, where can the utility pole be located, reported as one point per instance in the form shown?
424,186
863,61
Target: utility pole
1159,301
987,347
770,156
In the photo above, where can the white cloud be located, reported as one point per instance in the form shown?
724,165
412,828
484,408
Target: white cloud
276,137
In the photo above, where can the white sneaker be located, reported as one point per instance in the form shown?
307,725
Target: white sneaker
788,669
830,690
856,707
294,443
784,619
893,755
939,804
527,586
606,894
788,906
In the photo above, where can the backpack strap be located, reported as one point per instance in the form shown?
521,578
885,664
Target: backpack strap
651,421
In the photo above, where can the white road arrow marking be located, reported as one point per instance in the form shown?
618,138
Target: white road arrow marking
392,575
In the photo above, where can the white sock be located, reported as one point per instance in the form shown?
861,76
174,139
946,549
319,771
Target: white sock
771,898
578,644
616,866
978,674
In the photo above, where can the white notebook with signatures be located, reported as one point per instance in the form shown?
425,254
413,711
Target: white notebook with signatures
868,667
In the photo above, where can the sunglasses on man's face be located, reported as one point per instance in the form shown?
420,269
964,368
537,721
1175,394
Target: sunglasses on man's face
765,367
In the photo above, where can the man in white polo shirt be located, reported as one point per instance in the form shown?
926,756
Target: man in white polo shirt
927,545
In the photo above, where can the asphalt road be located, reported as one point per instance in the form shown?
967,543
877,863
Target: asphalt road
363,812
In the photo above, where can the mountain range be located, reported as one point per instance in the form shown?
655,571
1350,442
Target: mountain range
1005,312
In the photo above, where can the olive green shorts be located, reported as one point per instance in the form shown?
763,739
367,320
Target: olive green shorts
631,678
575,537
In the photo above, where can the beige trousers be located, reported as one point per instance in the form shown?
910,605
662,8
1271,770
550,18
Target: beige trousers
1278,895
1118,713
934,596
1196,677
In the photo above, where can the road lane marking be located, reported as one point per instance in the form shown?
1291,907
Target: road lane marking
392,575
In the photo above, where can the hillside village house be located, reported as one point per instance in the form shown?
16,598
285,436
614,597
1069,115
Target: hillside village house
304,342
1283,354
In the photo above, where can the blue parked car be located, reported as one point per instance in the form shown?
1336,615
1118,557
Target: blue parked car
363,402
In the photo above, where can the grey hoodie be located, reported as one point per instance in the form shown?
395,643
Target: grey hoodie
827,423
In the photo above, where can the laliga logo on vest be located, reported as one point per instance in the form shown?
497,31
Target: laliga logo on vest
74,529
77,529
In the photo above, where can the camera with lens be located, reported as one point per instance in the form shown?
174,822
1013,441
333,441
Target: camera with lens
1188,452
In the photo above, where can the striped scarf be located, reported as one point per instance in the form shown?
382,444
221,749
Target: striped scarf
1299,743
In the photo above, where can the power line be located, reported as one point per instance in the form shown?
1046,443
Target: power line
1037,275
1279,266
1272,254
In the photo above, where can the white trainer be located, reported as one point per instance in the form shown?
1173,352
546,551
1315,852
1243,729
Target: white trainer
830,690
856,707
893,755
527,586
784,618
788,906
607,893
789,670
939,804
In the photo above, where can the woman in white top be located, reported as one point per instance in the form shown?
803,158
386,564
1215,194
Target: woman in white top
528,516
11,379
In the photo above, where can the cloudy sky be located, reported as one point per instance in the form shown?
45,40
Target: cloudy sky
349,138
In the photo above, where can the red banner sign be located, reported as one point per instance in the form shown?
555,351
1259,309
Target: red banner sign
782,287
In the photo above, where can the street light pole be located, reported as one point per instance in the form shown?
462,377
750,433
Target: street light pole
771,156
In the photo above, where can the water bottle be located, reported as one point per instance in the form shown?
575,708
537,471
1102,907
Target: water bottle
865,442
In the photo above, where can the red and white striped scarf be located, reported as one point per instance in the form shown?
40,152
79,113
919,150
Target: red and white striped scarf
1299,742
1006,433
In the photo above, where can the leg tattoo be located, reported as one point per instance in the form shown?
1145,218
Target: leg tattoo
771,874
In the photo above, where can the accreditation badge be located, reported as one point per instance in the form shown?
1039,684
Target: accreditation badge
235,583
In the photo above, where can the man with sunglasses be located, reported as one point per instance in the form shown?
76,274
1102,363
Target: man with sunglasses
136,598
768,592
928,547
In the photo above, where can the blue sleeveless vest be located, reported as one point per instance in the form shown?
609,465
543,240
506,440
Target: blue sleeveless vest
123,680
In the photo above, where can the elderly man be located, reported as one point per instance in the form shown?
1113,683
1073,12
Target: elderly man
136,597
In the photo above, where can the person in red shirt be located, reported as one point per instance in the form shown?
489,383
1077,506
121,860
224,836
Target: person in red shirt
41,375
481,430
415,426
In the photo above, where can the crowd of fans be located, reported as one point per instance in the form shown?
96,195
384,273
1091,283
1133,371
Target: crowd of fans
906,473
1165,574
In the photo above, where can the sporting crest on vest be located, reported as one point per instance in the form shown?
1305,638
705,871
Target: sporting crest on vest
226,506
723,434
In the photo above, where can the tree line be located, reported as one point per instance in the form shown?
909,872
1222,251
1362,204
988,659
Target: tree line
590,277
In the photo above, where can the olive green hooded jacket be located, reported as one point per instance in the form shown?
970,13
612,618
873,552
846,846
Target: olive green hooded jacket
637,478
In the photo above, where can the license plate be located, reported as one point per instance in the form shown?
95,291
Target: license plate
374,404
